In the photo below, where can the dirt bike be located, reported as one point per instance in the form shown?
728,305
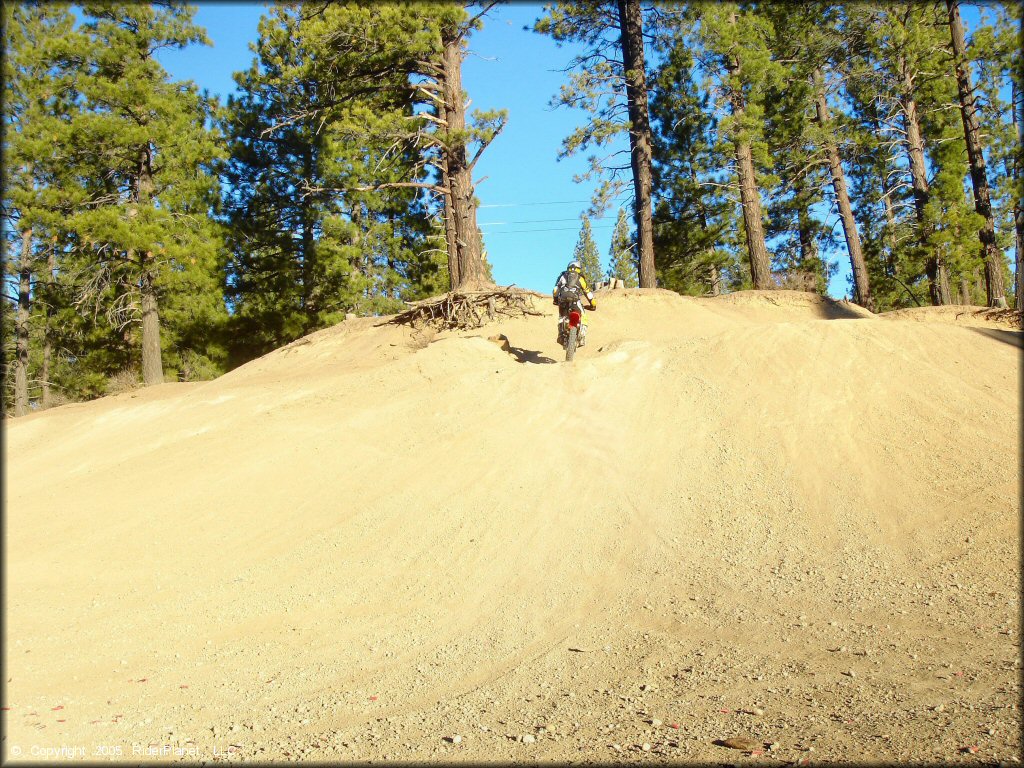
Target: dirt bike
571,328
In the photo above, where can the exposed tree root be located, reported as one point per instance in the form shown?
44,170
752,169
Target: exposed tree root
463,310
1010,317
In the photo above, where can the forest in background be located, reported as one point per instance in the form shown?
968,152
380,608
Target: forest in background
152,233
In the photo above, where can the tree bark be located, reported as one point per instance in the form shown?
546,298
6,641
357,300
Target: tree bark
760,264
942,282
1018,207
308,245
21,329
716,281
994,290
152,365
632,37
935,265
861,287
965,291
450,236
469,272
890,223
51,270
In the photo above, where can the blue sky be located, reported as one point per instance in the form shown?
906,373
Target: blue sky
530,205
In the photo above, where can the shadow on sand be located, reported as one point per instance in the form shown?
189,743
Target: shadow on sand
529,356
1013,338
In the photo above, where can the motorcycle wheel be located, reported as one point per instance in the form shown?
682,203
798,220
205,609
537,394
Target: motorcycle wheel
570,344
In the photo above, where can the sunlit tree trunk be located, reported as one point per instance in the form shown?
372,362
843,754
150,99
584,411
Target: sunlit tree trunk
450,236
1018,207
631,29
469,272
976,158
965,290
935,265
51,272
862,291
152,365
760,264
21,329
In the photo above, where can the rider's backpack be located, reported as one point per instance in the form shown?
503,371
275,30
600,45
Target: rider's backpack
570,290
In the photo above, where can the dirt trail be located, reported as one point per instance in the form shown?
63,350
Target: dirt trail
764,515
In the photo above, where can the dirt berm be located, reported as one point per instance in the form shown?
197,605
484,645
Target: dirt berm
764,516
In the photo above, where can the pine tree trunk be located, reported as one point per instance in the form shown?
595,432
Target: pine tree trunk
760,269
152,365
934,264
995,292
21,329
760,264
965,291
469,267
716,281
51,265
942,282
307,245
631,30
450,236
861,287
1018,207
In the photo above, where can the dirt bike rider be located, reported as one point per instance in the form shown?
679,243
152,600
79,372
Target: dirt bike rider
569,291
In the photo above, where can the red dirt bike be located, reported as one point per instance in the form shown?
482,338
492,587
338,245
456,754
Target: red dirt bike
572,331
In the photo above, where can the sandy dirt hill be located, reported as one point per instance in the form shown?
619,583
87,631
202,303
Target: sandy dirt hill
764,516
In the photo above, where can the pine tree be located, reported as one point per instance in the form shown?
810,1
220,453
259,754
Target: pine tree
693,214
995,50
976,158
146,232
884,212
609,81
621,256
797,175
293,252
735,39
39,193
805,140
586,253
412,53
901,51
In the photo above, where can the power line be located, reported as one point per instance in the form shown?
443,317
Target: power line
556,229
526,221
545,202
